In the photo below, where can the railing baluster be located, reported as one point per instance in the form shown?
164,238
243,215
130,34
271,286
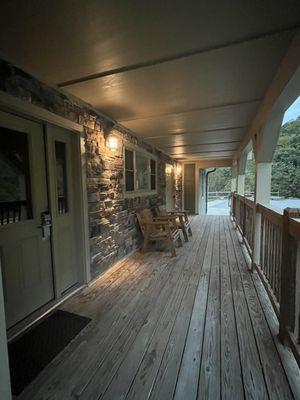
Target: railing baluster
278,247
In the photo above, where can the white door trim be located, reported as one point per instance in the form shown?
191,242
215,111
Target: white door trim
14,105
21,108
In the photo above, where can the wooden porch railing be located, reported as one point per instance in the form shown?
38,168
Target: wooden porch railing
279,260
243,212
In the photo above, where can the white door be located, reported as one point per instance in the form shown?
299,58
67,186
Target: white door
25,247
169,188
64,188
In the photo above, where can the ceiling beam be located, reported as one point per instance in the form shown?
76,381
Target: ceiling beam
202,144
213,107
177,56
204,152
196,132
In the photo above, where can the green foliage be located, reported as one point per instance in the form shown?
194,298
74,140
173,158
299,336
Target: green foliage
286,162
219,181
250,176
285,167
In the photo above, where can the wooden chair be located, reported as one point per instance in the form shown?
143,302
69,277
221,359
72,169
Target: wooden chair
181,217
155,229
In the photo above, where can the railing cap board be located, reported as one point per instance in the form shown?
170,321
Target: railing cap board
272,215
292,212
249,202
294,229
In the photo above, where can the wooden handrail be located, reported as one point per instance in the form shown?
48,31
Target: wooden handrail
294,228
272,215
278,260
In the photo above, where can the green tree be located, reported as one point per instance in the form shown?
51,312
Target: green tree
286,161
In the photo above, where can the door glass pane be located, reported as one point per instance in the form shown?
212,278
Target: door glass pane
15,192
61,177
142,172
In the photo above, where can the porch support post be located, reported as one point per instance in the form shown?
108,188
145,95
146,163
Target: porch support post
234,178
264,148
241,168
5,391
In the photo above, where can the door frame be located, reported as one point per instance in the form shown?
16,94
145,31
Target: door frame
195,184
20,108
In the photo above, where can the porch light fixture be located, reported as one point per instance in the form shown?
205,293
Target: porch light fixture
168,169
112,143
178,169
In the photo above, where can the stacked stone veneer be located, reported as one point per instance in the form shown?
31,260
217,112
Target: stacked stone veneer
113,229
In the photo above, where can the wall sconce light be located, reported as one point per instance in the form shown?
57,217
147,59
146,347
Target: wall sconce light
178,169
168,169
112,143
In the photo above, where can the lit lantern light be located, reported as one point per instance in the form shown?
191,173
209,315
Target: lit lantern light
178,169
168,169
112,143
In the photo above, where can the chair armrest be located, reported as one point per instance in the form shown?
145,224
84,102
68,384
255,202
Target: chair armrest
165,217
154,223
164,224
180,211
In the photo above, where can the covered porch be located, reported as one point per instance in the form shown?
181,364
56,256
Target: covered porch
197,326
110,109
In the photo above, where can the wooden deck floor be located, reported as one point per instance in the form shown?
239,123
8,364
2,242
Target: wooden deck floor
195,327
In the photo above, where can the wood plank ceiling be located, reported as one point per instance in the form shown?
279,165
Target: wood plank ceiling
188,76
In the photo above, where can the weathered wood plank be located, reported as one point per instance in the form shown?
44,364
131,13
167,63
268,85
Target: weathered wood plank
231,374
253,378
196,326
274,374
167,374
187,382
209,381
122,380
143,382
287,358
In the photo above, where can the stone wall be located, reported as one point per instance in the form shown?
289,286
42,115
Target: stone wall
113,229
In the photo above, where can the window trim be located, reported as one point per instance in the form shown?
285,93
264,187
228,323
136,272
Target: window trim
149,156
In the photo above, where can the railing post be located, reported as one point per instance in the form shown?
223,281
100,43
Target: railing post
261,196
244,219
297,296
289,264
256,236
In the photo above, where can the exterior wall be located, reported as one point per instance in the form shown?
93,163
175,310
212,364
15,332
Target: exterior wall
113,230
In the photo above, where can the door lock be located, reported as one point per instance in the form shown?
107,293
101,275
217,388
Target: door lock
46,223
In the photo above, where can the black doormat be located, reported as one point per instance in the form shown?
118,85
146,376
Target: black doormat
37,347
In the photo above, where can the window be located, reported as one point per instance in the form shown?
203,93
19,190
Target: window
153,174
15,187
129,170
140,172
61,177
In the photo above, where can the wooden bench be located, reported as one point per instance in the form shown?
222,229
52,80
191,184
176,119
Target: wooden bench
181,218
156,228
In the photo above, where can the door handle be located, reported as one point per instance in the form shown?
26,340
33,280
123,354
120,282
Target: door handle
45,225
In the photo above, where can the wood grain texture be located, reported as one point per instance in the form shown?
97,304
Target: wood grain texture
274,373
197,326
